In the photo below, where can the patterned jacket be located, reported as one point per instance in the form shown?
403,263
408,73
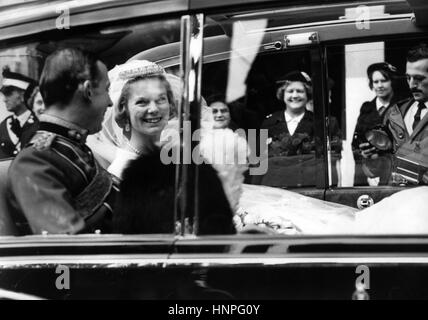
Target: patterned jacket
56,185
410,151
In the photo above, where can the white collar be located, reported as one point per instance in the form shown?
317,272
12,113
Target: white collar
416,103
289,118
23,118
380,105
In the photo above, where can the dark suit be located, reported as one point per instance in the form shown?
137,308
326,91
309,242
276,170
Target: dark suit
278,130
406,147
9,149
56,185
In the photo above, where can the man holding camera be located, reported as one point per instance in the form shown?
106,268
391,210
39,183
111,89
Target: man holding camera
406,124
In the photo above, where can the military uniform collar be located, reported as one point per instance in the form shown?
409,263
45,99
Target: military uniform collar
63,127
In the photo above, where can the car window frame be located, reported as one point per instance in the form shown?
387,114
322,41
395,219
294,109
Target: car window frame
398,26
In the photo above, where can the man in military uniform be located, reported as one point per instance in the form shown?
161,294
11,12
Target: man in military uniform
407,124
55,184
16,129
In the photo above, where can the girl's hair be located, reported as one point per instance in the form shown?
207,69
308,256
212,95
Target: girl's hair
281,90
122,116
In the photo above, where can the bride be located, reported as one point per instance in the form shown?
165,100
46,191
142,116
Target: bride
144,98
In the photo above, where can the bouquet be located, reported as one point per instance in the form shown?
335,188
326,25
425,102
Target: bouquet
286,145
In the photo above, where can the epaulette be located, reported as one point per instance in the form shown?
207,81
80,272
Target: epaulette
42,140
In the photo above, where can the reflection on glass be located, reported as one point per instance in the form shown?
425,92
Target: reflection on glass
242,56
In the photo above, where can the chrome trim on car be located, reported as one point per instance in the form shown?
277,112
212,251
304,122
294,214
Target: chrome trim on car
138,261
277,261
191,52
85,261
13,24
407,16
42,11
314,7
12,295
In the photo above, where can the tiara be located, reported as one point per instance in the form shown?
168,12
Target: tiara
153,69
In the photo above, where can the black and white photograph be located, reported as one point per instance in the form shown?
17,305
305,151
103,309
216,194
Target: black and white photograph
214,155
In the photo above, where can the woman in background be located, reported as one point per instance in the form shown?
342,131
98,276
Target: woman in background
295,120
381,79
220,112
36,102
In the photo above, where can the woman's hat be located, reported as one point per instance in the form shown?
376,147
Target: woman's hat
296,75
381,66
16,80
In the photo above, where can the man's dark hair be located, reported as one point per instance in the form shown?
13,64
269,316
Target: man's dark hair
146,201
418,52
62,73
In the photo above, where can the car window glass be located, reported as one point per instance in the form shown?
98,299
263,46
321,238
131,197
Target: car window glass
249,81
115,44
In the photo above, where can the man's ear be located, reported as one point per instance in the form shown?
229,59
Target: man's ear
22,97
87,89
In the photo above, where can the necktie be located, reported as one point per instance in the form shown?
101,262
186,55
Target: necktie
381,110
417,118
15,126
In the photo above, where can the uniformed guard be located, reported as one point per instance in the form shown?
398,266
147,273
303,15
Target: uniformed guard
56,185
16,129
